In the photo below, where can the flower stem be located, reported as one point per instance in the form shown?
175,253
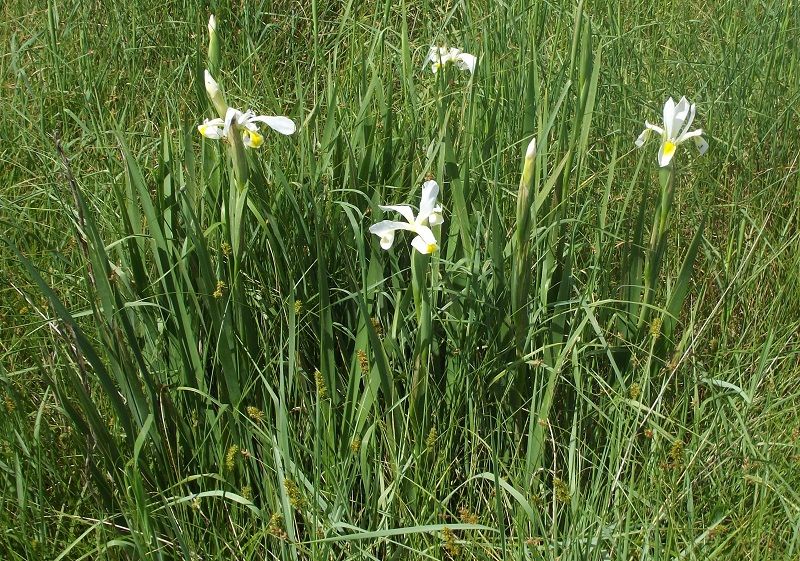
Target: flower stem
422,303
658,242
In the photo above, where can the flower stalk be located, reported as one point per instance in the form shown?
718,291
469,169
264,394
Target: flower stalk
422,300
658,241
678,119
425,243
521,264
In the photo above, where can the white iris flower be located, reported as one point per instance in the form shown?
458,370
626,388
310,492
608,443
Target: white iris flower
440,57
677,120
430,214
247,123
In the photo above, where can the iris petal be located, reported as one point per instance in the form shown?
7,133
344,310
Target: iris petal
283,125
430,190
231,115
701,144
689,120
404,210
679,117
669,114
436,216
211,128
466,61
687,135
643,137
422,246
666,152
426,234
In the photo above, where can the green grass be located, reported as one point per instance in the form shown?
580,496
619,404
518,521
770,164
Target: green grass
195,369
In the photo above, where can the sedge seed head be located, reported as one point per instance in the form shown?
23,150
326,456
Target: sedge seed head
255,414
219,289
322,390
295,496
230,457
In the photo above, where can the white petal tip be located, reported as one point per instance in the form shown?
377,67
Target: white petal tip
531,151
701,144
212,87
283,125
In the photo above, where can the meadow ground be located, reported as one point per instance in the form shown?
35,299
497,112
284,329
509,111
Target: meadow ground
206,354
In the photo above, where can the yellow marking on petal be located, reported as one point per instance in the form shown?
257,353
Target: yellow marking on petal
431,247
435,67
202,129
253,139
669,148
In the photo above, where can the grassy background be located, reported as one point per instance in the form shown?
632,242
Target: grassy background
275,419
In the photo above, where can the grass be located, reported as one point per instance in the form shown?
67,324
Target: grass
600,362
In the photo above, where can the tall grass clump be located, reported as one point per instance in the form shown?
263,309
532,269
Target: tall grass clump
433,303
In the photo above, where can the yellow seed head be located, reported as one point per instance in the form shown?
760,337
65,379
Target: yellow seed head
467,516
376,325
276,527
220,288
432,436
676,453
655,328
363,362
230,457
322,390
293,491
9,403
255,413
450,545
561,491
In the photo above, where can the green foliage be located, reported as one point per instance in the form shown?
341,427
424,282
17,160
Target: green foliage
205,360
